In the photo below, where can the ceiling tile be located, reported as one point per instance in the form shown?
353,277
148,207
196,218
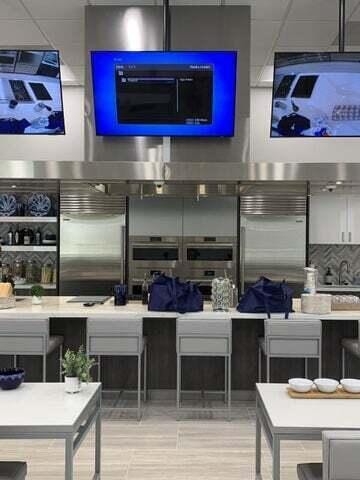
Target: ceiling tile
79,74
304,34
72,54
264,9
56,9
12,9
63,32
20,32
318,10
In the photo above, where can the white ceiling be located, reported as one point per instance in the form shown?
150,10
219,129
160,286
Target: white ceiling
276,25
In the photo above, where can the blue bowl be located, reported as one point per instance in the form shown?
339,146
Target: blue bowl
11,378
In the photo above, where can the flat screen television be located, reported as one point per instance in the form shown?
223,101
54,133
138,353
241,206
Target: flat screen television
316,95
30,93
164,93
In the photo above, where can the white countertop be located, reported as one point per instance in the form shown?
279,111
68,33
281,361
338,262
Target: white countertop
286,413
339,288
58,307
43,405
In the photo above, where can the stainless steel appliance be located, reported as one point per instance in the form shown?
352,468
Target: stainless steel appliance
92,240
150,255
208,257
273,246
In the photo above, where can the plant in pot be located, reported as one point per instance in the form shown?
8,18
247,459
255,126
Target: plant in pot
76,368
37,293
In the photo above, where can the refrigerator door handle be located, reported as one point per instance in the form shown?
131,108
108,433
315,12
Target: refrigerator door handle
242,259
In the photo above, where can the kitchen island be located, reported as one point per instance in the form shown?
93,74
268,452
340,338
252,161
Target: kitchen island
69,320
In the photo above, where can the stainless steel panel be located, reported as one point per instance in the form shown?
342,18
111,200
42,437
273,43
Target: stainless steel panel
120,28
273,204
91,259
200,173
216,28
274,247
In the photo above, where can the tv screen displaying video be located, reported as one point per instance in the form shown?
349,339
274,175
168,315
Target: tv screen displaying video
164,93
316,95
30,93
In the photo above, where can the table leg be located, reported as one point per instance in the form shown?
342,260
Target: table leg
69,457
258,444
98,446
276,457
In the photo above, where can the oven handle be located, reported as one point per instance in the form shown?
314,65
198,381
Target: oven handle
242,259
155,245
211,245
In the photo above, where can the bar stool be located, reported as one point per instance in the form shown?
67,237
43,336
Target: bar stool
13,470
199,336
341,453
29,336
300,338
121,336
350,346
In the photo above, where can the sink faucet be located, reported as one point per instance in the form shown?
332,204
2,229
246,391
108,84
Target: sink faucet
342,263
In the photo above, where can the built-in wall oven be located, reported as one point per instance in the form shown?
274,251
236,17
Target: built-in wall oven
208,257
150,255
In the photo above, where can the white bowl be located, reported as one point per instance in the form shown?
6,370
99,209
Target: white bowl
300,385
326,385
351,385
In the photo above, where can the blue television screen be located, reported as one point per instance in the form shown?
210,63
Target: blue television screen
30,93
316,94
164,93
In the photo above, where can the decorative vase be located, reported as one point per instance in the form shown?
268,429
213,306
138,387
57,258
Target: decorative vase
36,300
221,294
72,384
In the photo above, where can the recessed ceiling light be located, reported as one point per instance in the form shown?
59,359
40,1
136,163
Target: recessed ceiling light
339,182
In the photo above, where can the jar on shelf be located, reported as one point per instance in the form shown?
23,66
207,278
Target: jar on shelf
30,272
46,273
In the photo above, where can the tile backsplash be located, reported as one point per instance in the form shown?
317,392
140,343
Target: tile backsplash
324,256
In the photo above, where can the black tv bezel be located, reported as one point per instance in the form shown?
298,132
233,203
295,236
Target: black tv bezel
232,135
61,93
273,91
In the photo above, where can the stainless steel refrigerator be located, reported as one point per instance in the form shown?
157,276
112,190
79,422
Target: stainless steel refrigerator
273,246
92,253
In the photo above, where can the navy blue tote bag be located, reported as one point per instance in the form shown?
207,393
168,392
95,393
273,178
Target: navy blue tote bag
168,294
268,297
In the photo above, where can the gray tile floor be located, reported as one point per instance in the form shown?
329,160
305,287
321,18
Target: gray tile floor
201,446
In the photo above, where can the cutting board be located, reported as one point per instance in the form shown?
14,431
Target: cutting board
340,394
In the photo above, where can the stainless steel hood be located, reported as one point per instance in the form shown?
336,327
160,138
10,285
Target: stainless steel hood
180,172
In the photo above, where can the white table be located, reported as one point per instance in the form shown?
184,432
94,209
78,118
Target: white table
285,418
45,410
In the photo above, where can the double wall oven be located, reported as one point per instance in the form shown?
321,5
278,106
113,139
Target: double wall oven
150,255
208,257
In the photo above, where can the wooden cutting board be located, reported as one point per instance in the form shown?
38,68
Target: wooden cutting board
340,394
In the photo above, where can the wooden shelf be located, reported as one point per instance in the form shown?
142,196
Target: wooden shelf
29,248
28,219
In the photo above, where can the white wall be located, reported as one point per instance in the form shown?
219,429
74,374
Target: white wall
67,147
302,150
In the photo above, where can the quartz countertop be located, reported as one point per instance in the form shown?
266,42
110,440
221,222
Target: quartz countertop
59,307
339,288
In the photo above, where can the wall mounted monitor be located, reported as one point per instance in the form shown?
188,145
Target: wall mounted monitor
316,95
164,93
30,93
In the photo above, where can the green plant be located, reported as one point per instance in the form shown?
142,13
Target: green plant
77,364
37,291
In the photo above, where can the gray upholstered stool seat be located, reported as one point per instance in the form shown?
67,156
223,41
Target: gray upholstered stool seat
29,335
13,470
309,471
293,338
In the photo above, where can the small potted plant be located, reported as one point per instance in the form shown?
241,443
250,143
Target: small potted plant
37,293
76,368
